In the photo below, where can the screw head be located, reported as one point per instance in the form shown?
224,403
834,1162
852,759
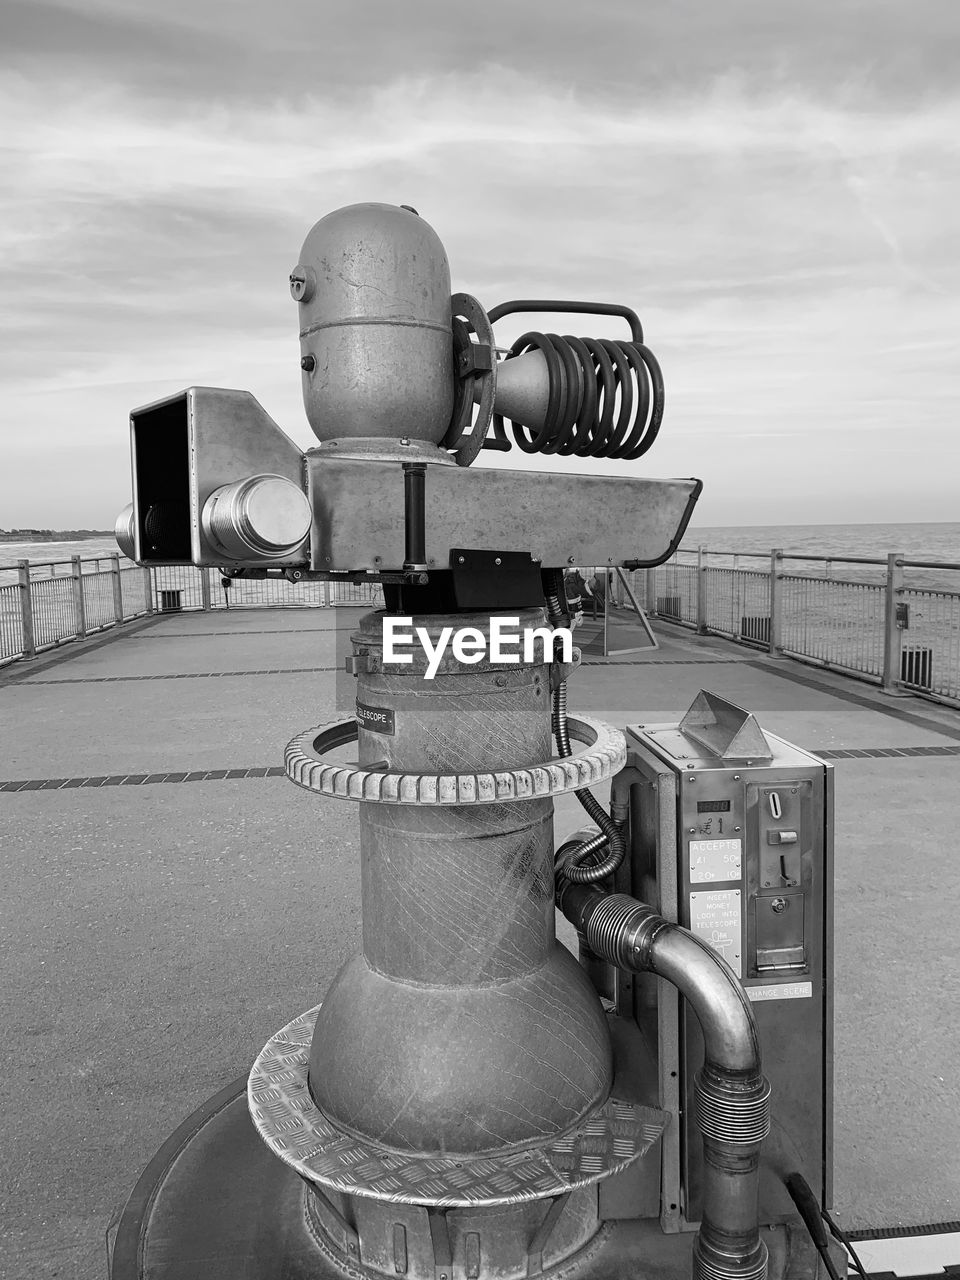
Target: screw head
569,559
461,559
498,560
308,363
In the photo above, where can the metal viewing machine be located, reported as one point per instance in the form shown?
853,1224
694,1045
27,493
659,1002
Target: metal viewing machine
468,1101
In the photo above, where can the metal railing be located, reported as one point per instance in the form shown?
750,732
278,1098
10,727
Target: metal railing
44,604
904,638
873,626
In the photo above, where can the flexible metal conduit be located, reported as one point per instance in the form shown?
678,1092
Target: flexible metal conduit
573,857
732,1093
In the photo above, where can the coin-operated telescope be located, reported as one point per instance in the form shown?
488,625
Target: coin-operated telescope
468,1101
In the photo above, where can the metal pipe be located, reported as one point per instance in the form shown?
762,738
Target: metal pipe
414,515
731,1092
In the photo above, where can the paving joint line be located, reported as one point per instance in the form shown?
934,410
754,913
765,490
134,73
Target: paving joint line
187,675
858,699
69,650
279,631
278,771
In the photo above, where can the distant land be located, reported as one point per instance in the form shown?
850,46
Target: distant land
51,535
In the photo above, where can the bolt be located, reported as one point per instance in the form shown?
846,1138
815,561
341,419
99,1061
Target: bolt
404,442
377,560
303,284
736,777
461,559
736,828
569,559
500,681
308,363
498,561
692,830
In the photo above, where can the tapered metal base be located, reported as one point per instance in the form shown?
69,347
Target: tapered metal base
215,1204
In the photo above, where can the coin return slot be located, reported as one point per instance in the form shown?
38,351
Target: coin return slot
779,932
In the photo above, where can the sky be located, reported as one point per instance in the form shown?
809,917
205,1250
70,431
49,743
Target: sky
773,186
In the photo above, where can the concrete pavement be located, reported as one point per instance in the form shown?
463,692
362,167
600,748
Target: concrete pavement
155,934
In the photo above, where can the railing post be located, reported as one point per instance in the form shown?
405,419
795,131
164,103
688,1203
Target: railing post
701,592
79,604
776,601
148,588
117,593
26,610
651,588
893,627
205,602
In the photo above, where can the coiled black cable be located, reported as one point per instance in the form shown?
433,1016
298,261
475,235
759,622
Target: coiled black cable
605,398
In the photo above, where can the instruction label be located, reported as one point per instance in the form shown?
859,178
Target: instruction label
715,917
781,991
714,860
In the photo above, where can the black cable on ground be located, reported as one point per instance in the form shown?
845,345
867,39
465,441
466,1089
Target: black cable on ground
814,1215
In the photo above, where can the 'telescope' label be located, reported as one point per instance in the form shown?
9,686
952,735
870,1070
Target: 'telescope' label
379,719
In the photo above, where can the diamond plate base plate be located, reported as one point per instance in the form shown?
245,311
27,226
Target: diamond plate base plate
294,1128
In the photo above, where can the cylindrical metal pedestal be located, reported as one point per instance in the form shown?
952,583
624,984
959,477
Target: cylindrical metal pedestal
215,1204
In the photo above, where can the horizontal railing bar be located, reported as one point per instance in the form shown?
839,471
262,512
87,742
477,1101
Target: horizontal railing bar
795,555
834,582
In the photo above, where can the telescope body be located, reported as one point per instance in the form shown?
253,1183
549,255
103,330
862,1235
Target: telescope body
375,324
468,1100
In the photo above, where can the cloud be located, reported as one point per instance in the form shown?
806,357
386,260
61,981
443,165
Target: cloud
882,52
147,246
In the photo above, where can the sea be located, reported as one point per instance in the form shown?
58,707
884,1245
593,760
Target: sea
933,542
917,541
